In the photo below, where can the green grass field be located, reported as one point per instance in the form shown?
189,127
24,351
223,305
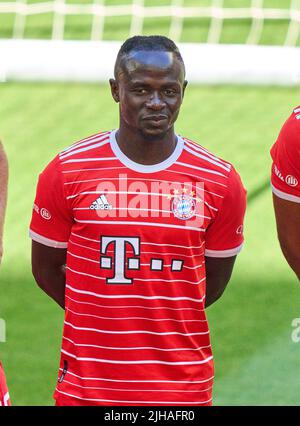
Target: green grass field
194,29
256,361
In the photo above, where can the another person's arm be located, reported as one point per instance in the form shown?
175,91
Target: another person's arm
50,230
287,215
285,181
3,193
224,239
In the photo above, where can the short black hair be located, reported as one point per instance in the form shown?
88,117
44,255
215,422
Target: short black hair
150,43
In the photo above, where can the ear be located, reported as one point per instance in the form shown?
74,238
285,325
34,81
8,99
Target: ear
114,87
184,87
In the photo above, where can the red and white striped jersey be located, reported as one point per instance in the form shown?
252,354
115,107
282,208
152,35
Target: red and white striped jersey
4,395
135,329
285,177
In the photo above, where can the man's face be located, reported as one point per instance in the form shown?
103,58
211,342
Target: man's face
149,86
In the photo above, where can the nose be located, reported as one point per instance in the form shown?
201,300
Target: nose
155,102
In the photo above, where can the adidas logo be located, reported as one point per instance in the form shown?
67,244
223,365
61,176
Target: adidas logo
101,204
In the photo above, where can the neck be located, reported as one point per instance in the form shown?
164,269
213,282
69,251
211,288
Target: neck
145,150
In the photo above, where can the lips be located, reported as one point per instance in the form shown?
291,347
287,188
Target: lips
156,118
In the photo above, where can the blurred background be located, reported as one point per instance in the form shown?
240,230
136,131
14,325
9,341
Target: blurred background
257,363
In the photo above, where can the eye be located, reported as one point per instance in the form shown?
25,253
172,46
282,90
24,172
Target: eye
140,90
170,92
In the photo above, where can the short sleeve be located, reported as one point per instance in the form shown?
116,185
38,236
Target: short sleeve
224,236
4,395
285,153
52,219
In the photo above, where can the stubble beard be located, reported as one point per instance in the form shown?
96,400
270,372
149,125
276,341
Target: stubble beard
154,137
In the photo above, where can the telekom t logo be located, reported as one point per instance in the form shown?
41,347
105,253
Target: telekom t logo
119,245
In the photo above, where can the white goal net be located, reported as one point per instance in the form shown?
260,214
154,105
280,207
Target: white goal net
246,41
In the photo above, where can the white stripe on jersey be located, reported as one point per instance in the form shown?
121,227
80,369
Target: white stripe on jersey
138,390
150,361
140,381
157,194
146,243
134,306
158,225
116,178
214,172
166,333
197,145
93,146
78,145
173,245
128,209
190,184
81,257
139,279
130,318
192,267
134,193
80,245
127,179
139,348
141,264
200,178
144,252
84,141
167,266
200,148
196,154
136,402
133,296
94,169
80,160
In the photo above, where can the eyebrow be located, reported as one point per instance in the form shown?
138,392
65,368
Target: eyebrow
143,83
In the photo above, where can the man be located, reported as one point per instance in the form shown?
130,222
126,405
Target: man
133,213
285,181
4,396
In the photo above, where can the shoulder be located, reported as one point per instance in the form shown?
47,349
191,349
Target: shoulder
203,157
285,153
291,126
85,147
288,141
82,149
222,183
217,172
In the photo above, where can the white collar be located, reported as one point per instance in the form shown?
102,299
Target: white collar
145,168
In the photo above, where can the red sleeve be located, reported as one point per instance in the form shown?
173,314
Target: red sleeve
285,175
4,395
224,236
52,218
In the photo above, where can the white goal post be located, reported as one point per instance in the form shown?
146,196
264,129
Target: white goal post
211,62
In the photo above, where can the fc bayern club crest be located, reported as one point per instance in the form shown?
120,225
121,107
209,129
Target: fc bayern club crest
183,206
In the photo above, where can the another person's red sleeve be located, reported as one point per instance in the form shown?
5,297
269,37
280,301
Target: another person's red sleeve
285,175
224,236
4,395
52,218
